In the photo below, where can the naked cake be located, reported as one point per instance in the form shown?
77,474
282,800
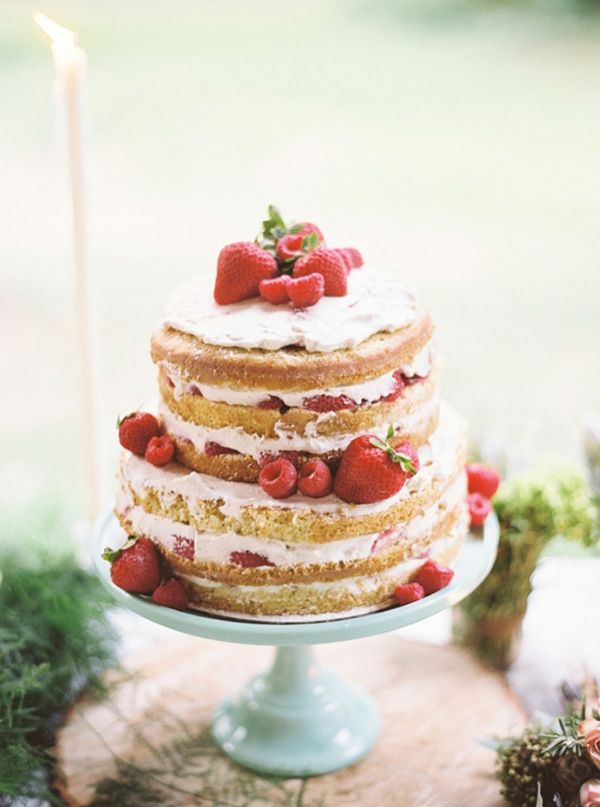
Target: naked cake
299,465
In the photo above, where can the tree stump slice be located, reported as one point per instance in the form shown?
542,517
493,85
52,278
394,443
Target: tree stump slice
148,742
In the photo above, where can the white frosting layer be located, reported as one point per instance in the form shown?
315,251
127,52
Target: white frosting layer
217,547
366,392
311,442
375,302
437,459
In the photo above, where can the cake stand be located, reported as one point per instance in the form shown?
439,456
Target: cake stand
298,719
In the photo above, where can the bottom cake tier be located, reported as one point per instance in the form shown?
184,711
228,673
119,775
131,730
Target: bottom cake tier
240,553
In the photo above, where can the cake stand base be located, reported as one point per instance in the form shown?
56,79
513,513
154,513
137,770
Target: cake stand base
297,719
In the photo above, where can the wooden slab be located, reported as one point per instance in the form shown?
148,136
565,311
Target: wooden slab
149,741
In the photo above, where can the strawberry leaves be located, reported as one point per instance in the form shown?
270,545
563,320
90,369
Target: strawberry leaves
274,229
403,460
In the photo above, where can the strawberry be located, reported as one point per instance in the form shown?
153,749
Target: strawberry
136,430
410,451
172,595
307,228
289,247
249,560
160,450
328,263
350,256
184,547
409,592
483,479
240,268
433,577
306,290
215,449
272,402
328,403
274,289
396,390
479,508
136,568
278,479
315,479
371,470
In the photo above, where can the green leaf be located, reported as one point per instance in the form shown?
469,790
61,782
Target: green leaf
275,217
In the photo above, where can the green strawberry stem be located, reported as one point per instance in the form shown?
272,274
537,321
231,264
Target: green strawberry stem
274,228
111,554
403,460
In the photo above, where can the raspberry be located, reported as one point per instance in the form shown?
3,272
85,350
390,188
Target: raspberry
409,592
240,268
306,290
328,263
278,479
136,431
272,402
135,569
215,449
171,595
274,290
160,450
184,547
289,247
433,577
328,403
249,560
371,470
315,479
267,456
479,508
350,256
397,389
482,479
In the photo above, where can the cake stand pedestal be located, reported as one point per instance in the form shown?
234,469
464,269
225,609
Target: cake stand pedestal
298,720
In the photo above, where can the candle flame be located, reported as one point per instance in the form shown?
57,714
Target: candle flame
56,32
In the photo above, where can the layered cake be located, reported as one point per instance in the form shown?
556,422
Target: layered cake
300,464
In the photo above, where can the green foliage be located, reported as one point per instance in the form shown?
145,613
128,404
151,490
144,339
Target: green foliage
54,642
533,509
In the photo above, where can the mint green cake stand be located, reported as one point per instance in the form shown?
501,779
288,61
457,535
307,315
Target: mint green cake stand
298,719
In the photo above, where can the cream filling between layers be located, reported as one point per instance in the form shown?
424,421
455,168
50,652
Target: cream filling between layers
255,445
366,392
357,585
375,302
217,547
437,459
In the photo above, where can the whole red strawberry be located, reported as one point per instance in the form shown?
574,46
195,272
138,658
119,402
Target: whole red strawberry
328,263
308,228
160,450
240,268
483,479
371,470
306,291
351,257
136,430
433,577
136,568
315,479
172,595
279,478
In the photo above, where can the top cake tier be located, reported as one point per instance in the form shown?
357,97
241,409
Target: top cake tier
240,383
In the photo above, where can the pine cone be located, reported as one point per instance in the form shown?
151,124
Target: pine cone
572,771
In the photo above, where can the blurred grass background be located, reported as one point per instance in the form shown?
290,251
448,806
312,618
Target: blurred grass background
455,143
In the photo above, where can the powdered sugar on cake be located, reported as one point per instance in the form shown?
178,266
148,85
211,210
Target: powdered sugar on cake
375,303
